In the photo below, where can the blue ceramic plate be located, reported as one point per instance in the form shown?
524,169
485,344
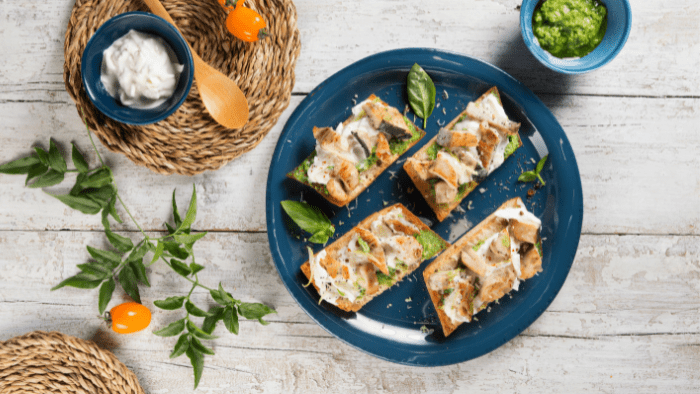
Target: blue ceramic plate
389,327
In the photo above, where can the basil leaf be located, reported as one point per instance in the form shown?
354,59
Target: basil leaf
307,217
209,323
421,93
540,165
56,160
180,267
196,331
105,257
231,319
181,346
106,291
193,310
158,253
188,239
170,303
127,279
140,272
541,180
176,214
225,294
216,295
191,212
172,329
255,311
201,348
196,268
79,160
19,166
527,176
78,281
80,203
51,178
174,249
197,361
42,155
34,171
100,178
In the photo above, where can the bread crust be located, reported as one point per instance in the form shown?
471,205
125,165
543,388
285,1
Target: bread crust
341,242
489,226
366,177
443,210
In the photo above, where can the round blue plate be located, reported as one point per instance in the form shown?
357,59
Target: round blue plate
393,325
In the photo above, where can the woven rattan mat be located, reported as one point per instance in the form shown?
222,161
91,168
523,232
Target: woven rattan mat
189,141
51,362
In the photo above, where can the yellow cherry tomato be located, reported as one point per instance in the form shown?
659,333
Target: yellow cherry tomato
129,317
246,24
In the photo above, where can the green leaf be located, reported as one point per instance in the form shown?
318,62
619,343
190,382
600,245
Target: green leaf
201,348
106,291
105,256
80,203
216,295
527,176
171,229
541,180
196,331
540,165
75,191
56,160
176,214
231,319
191,211
180,267
112,208
101,196
79,161
42,155
309,219
127,279
102,177
209,324
189,239
225,294
197,361
122,244
196,268
140,272
79,281
137,254
181,346
172,329
421,93
35,171
19,166
158,253
51,178
175,250
255,311
170,303
193,310
95,270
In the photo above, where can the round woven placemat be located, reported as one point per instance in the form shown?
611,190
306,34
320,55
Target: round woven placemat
189,141
51,362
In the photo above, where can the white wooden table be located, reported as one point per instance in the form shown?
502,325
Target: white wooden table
626,320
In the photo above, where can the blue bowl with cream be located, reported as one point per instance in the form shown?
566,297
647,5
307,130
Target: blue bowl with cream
619,24
137,68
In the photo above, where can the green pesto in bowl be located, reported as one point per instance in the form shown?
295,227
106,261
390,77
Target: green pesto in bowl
569,28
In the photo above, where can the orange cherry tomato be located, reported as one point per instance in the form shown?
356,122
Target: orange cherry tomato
228,5
129,317
246,24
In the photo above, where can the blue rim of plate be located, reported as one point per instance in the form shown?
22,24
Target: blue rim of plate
375,328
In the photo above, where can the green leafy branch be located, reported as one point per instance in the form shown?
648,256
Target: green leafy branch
531,176
94,191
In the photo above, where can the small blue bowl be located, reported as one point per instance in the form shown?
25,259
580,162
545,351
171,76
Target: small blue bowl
618,29
110,31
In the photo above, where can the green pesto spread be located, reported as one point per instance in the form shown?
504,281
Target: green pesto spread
431,242
570,28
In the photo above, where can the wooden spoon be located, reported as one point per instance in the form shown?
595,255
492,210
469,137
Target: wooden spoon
224,100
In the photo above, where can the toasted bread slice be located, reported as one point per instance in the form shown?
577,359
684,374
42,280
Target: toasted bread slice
503,276
427,189
388,151
422,235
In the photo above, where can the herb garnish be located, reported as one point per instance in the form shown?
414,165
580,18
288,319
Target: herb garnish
530,176
94,192
421,93
363,245
310,219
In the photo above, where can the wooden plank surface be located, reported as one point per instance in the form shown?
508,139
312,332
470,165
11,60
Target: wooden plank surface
627,319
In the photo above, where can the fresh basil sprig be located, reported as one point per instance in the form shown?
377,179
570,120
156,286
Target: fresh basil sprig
531,176
421,93
310,219
94,192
